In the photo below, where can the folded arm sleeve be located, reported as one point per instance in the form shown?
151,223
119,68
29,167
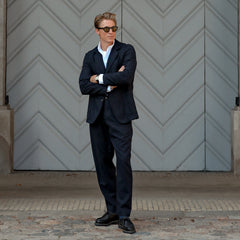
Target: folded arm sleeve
86,87
125,77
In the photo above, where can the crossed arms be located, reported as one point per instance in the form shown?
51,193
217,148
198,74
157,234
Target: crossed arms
124,76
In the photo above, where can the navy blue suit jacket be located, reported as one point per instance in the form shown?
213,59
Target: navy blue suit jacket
121,98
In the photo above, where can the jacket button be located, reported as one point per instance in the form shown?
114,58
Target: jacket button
102,100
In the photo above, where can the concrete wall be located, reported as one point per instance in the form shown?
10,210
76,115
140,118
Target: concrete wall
6,114
236,140
6,139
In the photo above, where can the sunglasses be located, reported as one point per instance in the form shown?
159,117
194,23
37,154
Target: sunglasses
107,29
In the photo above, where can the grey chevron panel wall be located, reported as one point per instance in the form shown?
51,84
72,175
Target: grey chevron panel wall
169,39
46,44
221,80
185,84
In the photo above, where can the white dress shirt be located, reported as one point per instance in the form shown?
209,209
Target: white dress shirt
105,56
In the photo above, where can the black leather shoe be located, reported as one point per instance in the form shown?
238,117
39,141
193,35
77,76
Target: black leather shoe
127,225
107,219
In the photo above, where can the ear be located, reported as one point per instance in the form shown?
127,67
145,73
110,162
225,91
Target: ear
97,31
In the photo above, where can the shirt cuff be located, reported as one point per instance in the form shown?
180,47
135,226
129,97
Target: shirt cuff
109,89
100,79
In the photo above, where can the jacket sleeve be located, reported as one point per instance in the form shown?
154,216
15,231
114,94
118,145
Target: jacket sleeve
125,77
86,87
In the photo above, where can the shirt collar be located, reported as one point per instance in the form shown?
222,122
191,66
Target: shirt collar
108,49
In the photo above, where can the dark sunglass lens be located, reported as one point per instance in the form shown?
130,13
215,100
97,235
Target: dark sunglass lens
106,29
114,29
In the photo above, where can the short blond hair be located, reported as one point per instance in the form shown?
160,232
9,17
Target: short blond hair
107,15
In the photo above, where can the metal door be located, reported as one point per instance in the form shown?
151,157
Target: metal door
221,77
185,83
169,37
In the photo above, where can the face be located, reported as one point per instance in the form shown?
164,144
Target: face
106,38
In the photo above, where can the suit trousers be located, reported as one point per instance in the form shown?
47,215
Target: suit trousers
108,135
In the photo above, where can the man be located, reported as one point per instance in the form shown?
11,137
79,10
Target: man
107,77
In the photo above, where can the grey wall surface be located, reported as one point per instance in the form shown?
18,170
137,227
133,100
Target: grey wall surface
185,84
3,50
6,114
221,69
169,38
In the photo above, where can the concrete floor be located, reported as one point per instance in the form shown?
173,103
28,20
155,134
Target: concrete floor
64,205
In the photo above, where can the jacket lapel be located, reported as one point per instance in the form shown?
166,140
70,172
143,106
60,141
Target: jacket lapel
98,61
113,55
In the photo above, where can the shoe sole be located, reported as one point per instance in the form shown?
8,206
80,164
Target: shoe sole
126,231
106,224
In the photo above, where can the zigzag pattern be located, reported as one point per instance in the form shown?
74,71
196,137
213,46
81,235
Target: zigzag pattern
221,80
169,87
183,88
46,44
184,124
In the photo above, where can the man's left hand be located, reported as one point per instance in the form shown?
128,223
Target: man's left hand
92,79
